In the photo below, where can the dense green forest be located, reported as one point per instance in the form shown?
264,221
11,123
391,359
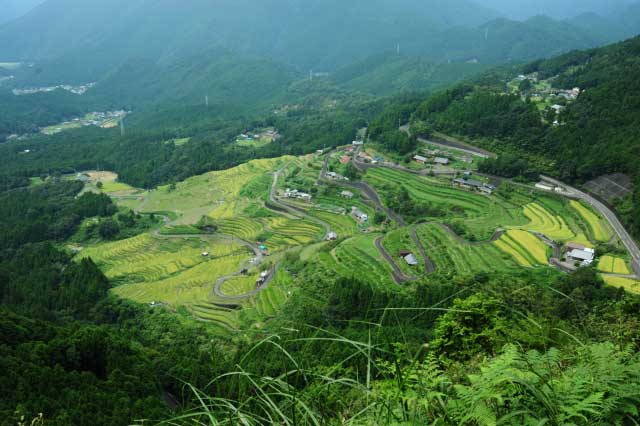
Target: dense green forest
146,156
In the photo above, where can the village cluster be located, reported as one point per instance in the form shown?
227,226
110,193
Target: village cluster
76,90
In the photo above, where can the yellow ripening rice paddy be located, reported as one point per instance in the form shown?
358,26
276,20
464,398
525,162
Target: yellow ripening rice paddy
216,193
528,250
600,230
172,271
546,223
613,265
630,285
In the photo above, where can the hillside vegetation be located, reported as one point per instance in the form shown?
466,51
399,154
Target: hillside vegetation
596,134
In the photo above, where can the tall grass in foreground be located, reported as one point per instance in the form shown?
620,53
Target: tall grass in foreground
594,384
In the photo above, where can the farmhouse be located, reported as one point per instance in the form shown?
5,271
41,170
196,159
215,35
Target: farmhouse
359,215
346,194
585,257
420,159
336,176
294,193
475,185
441,160
332,236
411,259
83,177
545,187
357,143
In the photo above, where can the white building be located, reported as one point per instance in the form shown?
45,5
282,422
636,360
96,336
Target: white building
585,257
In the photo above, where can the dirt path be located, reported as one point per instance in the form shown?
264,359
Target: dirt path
398,276
217,288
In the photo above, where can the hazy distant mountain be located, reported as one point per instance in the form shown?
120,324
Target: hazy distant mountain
319,34
12,9
559,9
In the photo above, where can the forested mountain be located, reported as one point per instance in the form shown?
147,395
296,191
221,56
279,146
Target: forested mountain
391,73
70,41
560,9
12,9
309,34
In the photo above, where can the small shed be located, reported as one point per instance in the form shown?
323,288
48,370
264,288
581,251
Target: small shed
332,236
420,159
411,260
347,194
441,160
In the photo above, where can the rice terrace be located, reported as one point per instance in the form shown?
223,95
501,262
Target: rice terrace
233,245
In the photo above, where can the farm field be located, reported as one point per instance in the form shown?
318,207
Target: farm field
524,247
359,257
547,223
482,214
630,285
172,271
614,265
283,232
452,256
217,194
599,229
342,224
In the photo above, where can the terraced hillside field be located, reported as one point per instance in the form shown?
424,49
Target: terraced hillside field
454,256
217,194
357,257
284,232
614,265
171,271
600,230
483,215
524,247
342,224
545,222
630,285
400,239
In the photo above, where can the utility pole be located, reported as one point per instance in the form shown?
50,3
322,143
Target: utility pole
310,75
398,49
206,100
122,132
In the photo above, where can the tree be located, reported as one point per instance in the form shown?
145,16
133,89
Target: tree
108,229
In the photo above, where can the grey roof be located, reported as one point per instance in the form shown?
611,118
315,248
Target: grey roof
411,260
581,254
441,160
469,182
